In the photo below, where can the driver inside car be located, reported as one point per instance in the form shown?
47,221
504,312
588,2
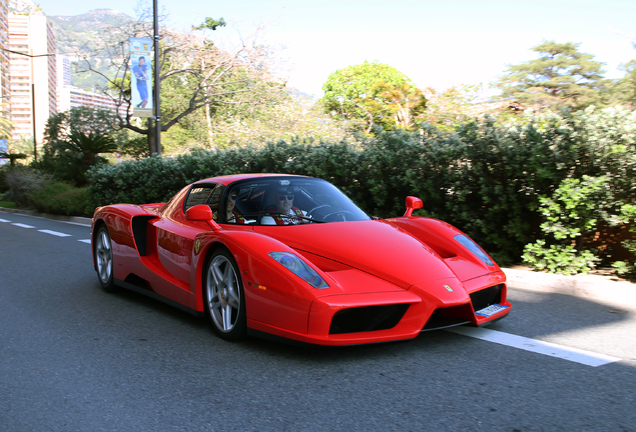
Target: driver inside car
283,211
232,216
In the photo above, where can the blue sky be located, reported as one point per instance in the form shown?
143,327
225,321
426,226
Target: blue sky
436,43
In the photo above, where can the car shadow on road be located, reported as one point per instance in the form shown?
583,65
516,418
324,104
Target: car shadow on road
573,322
538,314
545,316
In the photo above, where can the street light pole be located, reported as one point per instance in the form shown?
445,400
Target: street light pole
157,88
31,56
35,141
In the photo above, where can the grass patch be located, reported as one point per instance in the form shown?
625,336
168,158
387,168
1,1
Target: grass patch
8,204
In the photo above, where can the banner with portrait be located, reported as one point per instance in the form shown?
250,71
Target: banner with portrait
4,148
141,93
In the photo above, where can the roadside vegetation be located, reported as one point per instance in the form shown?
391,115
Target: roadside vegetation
543,174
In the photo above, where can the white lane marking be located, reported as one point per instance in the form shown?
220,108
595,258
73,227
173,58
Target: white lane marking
22,225
76,223
87,224
550,349
4,220
55,233
85,241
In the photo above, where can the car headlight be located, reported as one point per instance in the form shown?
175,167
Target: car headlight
472,246
299,268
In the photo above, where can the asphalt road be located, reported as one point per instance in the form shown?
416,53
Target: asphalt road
74,358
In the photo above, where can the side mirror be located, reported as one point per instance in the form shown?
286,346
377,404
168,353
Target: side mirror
412,203
202,213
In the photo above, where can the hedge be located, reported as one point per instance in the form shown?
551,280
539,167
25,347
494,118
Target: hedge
485,178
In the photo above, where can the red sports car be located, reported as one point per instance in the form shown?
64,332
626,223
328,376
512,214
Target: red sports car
292,257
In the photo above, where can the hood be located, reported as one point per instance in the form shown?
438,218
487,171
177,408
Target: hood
375,247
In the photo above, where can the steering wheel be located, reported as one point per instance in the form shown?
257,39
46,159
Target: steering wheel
316,208
340,212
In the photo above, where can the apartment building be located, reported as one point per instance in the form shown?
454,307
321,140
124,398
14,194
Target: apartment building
33,77
4,54
69,96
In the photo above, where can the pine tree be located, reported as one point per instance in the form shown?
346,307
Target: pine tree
562,76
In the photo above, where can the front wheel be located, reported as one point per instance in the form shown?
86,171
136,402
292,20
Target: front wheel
224,297
104,259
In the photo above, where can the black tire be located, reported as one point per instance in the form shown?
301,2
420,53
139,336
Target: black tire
223,296
102,247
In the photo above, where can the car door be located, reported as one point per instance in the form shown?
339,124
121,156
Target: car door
175,234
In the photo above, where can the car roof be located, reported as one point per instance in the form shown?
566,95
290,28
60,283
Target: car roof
226,180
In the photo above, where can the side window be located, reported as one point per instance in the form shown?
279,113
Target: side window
214,200
209,194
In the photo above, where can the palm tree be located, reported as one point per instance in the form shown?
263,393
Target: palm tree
88,146
6,126
12,156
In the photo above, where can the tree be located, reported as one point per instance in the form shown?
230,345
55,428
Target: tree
70,159
372,94
12,156
85,119
448,109
75,138
624,89
194,73
397,105
88,146
23,145
562,76
284,119
6,125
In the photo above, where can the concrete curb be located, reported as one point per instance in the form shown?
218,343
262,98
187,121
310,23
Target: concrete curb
70,219
583,285
586,286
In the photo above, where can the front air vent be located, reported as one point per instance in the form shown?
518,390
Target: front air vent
486,297
368,318
449,317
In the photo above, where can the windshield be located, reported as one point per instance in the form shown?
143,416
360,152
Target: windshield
287,201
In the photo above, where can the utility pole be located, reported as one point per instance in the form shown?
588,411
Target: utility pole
157,87
31,56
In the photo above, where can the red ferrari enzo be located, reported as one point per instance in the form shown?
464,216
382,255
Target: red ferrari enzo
292,257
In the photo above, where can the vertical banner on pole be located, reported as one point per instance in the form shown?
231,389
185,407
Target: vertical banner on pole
141,76
4,147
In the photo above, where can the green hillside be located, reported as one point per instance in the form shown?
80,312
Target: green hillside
79,35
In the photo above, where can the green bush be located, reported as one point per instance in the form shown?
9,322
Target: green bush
493,181
588,215
565,260
156,179
62,198
628,217
445,170
24,182
135,147
571,215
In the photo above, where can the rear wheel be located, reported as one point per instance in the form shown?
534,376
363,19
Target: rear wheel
224,297
104,259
